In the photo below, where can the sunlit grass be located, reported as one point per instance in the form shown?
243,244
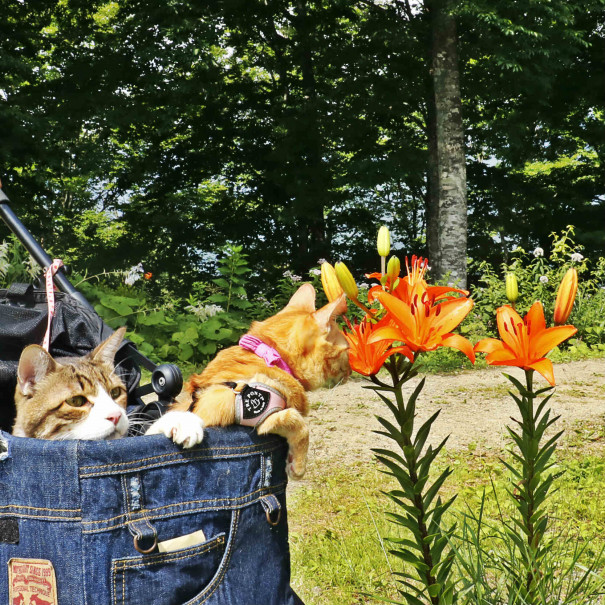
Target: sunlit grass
338,527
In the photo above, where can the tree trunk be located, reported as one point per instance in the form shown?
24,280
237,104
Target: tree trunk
447,208
312,196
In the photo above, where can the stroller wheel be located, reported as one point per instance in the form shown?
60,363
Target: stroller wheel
167,381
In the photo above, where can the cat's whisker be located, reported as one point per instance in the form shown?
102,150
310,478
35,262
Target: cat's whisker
117,365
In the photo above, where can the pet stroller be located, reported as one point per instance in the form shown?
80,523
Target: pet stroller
135,521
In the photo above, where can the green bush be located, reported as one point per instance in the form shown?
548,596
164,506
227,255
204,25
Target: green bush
538,277
171,330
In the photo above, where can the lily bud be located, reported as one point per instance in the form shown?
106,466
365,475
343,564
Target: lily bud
346,280
330,283
512,288
566,295
384,241
393,268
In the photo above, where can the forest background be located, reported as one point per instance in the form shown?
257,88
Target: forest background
152,132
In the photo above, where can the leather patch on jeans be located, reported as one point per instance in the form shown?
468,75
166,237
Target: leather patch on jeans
32,581
9,531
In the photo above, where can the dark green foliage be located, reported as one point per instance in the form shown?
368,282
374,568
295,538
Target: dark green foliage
187,332
157,132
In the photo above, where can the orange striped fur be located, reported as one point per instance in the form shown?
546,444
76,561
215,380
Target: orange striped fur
314,348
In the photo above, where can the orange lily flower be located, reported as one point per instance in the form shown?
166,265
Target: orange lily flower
367,358
566,296
525,342
412,284
423,326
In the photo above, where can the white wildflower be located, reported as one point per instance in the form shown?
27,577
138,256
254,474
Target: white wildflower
134,274
295,277
315,272
538,252
287,274
543,279
364,286
576,257
204,312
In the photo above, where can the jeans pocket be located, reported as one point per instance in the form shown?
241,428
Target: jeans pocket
172,578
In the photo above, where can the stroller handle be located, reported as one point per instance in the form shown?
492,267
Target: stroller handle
169,376
37,252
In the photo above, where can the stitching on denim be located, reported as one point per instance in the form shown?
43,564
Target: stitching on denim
120,566
114,595
174,514
147,522
146,561
16,513
84,560
112,469
51,510
181,458
219,503
225,567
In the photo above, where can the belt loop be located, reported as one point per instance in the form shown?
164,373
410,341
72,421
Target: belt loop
272,509
144,535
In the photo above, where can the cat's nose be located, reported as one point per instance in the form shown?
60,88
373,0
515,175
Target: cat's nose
114,417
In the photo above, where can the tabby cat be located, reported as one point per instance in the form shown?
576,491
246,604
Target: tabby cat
306,350
71,397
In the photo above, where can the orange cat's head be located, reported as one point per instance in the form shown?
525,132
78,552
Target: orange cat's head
308,340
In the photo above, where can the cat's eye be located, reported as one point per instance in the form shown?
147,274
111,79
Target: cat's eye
115,392
77,402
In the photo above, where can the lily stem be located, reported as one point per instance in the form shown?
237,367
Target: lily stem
406,423
530,423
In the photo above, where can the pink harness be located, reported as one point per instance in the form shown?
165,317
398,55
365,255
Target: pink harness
255,401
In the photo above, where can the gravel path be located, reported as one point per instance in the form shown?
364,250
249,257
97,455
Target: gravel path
475,407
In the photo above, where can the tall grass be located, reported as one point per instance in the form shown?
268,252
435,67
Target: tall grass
338,528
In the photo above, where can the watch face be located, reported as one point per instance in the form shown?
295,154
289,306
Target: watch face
255,402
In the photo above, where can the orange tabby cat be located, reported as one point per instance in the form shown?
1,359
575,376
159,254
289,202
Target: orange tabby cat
313,353
71,397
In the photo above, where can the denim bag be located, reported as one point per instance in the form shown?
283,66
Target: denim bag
140,521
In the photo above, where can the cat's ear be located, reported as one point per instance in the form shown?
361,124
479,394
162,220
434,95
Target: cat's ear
303,298
107,350
327,313
35,364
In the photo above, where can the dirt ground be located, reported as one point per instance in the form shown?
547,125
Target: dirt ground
475,407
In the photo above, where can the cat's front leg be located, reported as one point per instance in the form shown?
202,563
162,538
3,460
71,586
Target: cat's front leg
184,428
290,423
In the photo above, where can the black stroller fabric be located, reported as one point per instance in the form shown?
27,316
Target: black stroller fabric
75,331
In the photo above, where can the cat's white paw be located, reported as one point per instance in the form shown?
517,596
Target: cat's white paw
184,428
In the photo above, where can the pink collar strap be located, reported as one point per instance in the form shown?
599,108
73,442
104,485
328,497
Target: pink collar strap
269,354
49,272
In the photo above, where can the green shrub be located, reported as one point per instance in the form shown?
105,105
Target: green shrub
538,277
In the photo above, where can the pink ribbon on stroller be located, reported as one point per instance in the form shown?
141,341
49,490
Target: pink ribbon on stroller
49,272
